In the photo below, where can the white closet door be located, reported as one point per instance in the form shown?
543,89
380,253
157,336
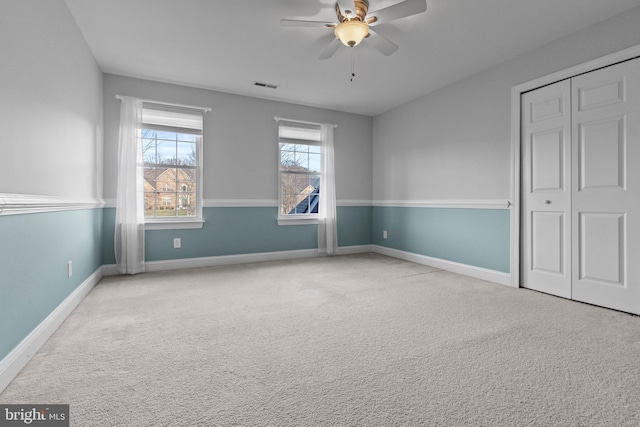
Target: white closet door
606,187
546,169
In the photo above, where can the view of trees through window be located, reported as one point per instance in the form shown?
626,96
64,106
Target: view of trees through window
170,163
300,178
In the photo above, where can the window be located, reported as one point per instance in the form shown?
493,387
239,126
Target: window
299,170
171,150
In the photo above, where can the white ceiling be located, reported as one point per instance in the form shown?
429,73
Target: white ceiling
228,45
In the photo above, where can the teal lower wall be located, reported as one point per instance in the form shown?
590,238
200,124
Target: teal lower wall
243,230
477,237
354,225
34,250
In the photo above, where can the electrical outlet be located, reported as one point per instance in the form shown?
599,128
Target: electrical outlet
69,269
177,243
384,234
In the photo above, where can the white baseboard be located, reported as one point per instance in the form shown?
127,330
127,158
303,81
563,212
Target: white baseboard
350,250
180,264
455,267
13,363
177,264
110,270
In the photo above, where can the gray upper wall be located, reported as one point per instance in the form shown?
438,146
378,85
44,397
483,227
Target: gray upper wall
241,142
50,103
455,143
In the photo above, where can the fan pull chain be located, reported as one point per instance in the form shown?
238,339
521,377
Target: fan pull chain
353,72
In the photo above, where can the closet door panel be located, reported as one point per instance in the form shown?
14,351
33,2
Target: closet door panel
606,187
546,148
602,247
601,154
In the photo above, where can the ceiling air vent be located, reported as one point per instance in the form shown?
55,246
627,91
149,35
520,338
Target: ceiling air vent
267,85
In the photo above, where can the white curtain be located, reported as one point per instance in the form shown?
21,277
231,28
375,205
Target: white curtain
129,236
327,222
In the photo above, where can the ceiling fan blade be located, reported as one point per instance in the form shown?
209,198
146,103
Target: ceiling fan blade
397,11
382,44
299,23
339,14
331,49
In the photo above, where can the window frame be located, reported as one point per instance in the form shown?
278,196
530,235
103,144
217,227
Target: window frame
179,222
297,218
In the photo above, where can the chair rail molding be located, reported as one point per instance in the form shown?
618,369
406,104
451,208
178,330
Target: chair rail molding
20,204
270,203
460,204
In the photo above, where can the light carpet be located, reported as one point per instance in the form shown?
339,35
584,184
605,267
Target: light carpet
359,340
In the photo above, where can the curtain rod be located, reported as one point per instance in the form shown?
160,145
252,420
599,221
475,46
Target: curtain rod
204,109
277,119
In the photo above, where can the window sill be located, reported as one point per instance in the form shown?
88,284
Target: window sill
173,224
298,221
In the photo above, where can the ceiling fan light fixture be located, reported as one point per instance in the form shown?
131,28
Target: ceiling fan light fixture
351,33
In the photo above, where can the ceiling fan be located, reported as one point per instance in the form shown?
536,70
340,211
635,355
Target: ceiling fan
354,26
